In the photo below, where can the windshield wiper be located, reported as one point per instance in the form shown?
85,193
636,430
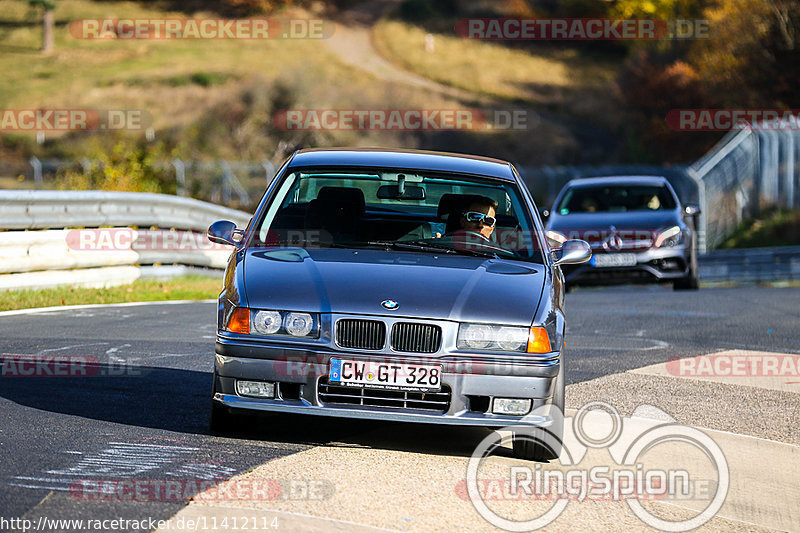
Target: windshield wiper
428,247
415,246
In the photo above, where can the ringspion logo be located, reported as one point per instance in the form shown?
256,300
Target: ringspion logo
648,460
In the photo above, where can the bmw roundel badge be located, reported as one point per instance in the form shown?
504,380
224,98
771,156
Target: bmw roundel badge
391,305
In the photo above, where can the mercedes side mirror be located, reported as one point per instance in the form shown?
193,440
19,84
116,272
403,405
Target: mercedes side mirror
544,213
691,210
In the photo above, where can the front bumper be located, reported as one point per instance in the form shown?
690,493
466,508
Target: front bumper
653,265
472,380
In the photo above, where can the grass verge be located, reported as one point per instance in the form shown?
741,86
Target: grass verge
548,76
179,288
773,228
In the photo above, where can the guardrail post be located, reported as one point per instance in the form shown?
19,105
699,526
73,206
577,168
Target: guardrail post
180,176
37,171
226,182
702,228
789,169
86,165
269,168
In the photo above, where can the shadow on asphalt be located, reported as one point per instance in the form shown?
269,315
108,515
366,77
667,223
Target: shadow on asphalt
178,400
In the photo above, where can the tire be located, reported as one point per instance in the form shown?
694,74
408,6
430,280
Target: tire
544,444
691,281
220,419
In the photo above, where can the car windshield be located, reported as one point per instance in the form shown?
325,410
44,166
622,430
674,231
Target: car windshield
615,198
411,211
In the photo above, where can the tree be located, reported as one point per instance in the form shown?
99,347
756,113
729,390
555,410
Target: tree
47,23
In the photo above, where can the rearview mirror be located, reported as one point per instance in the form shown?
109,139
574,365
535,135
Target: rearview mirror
225,232
392,192
572,252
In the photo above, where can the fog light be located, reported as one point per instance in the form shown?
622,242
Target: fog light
255,389
511,406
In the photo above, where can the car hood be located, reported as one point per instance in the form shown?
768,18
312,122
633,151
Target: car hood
459,288
632,221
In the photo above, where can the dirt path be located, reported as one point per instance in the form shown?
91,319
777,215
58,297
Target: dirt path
352,42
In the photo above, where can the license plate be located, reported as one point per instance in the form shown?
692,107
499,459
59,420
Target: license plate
614,260
385,375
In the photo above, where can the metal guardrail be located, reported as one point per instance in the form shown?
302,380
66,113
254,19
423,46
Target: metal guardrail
751,264
34,254
70,209
42,256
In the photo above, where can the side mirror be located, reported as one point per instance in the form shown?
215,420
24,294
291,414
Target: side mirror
572,252
225,232
691,210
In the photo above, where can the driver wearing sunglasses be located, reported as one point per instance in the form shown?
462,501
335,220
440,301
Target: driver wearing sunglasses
479,216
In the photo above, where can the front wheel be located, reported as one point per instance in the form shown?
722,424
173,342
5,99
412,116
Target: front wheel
688,283
220,419
544,444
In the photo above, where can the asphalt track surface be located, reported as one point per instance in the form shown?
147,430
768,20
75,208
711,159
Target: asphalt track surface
143,412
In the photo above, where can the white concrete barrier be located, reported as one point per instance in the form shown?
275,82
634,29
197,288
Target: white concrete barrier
47,237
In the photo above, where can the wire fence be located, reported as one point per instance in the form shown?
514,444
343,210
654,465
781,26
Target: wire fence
237,184
749,170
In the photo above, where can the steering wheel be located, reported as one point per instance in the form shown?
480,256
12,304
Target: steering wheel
476,239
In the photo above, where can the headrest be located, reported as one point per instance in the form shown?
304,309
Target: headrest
449,203
343,196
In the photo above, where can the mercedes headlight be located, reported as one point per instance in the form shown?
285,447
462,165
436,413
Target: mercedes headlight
669,237
555,238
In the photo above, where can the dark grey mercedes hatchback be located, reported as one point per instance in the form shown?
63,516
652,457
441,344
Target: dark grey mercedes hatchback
395,285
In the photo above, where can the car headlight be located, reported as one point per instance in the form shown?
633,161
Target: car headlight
491,338
555,238
669,237
265,322
298,324
474,336
274,323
